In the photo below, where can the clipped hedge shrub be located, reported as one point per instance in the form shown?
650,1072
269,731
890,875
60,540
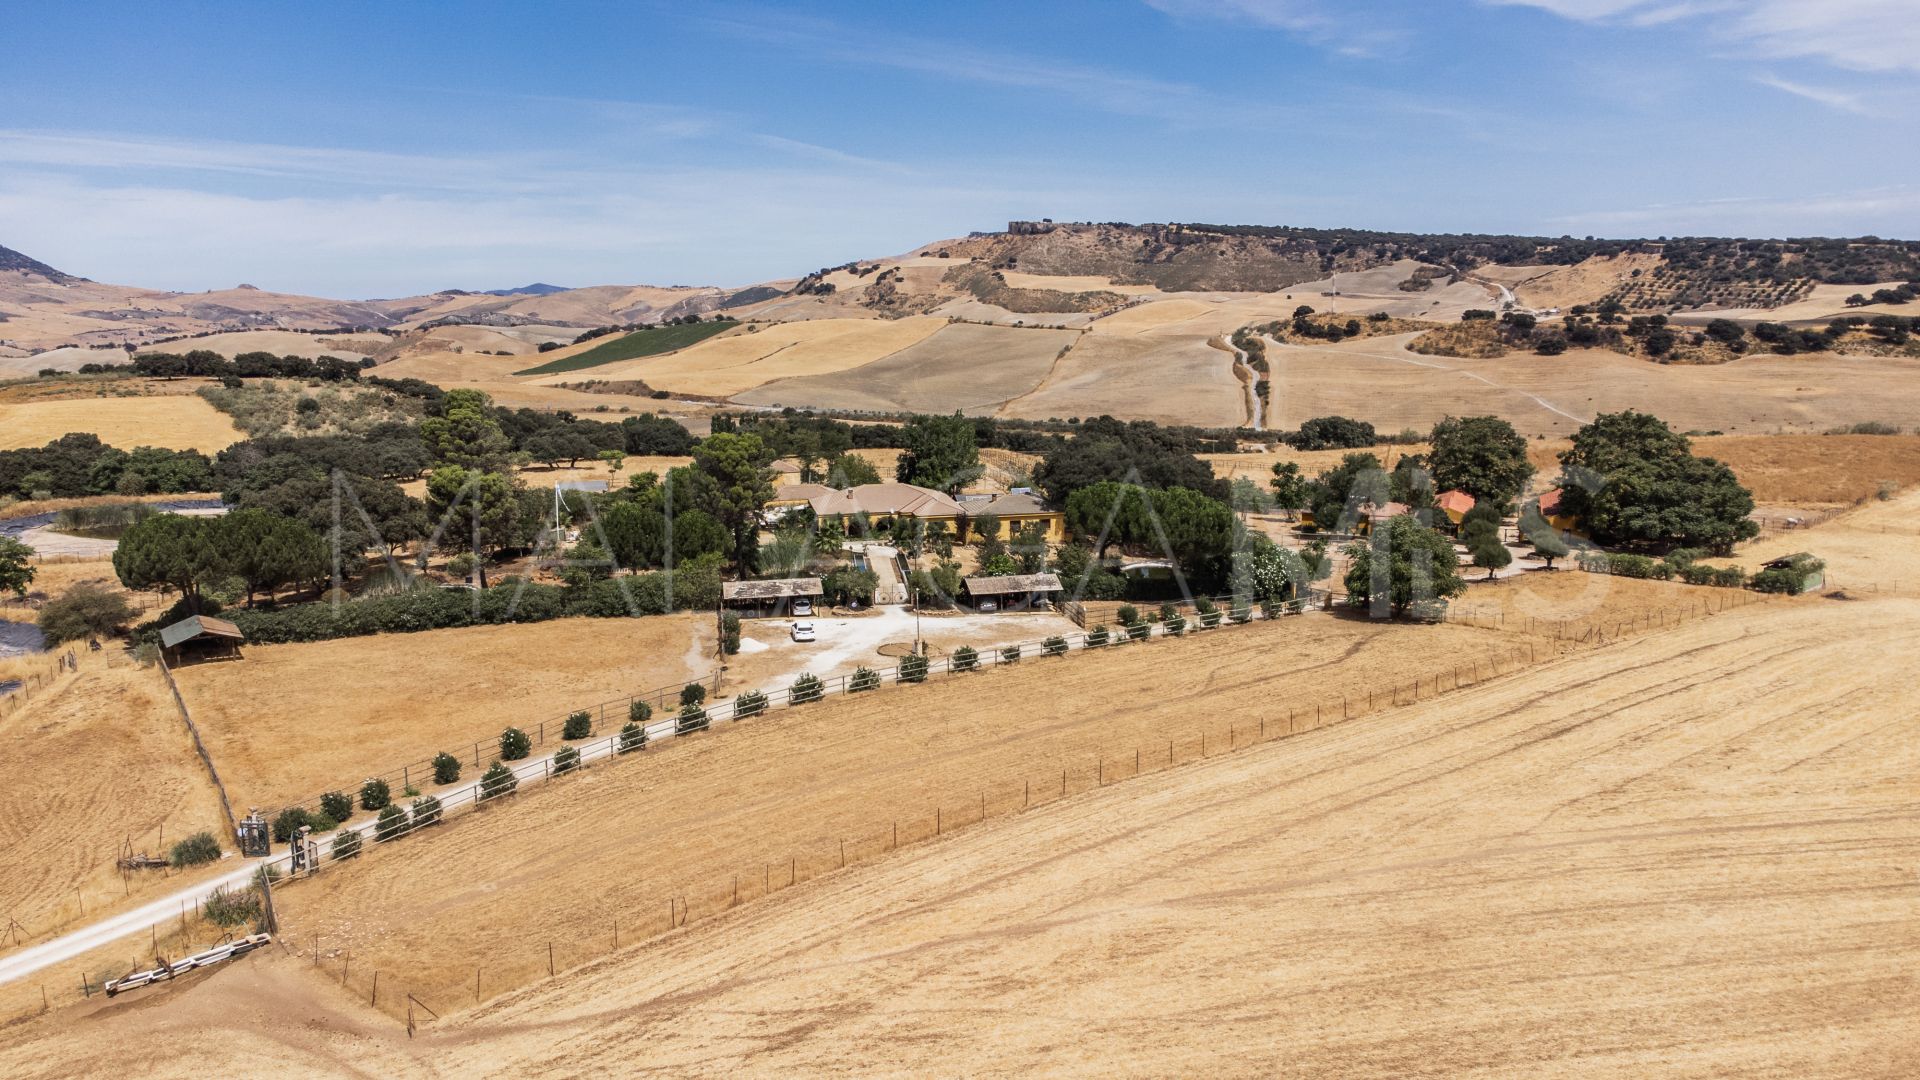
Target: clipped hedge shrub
1054,646
1097,637
579,725
1138,631
632,737
692,694
639,712
751,703
446,768
392,823
1128,615
1241,613
1010,654
347,844
514,744
375,794
336,805
965,658
498,780
863,679
913,669
426,811
566,759
807,688
692,718
287,821
1175,625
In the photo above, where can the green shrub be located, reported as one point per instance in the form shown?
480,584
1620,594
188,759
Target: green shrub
231,907
965,658
751,703
1128,615
1168,611
730,633
497,781
692,718
1697,575
863,679
1730,577
1138,631
1054,646
426,811
336,805
375,794
287,821
514,744
805,689
913,669
692,694
1175,625
1097,637
639,712
1241,613
566,759
632,737
579,725
391,824
347,844
446,768
1210,619
1010,654
199,848
1629,566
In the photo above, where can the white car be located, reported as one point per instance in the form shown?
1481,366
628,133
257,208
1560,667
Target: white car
986,606
803,608
802,631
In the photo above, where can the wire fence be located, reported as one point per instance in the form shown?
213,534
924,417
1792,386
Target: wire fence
499,965
504,969
601,742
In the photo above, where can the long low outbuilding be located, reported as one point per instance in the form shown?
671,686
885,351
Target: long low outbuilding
201,635
773,596
1012,592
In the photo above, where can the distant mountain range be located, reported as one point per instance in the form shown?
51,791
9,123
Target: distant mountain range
1036,272
538,288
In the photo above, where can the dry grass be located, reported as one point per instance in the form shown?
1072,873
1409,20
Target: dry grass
1384,384
1875,548
741,360
98,760
175,422
1503,881
290,721
794,784
971,368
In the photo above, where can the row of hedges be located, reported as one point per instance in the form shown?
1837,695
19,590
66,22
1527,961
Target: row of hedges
438,609
1681,565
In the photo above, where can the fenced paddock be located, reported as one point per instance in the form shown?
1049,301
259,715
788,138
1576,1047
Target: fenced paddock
1179,737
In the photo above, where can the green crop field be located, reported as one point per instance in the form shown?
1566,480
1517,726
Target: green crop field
649,342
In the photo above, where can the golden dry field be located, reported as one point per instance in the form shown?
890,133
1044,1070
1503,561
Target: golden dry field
1379,381
287,722
742,359
174,421
966,367
99,759
1511,879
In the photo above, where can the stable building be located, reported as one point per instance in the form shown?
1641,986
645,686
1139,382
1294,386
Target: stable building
1012,592
768,599
200,637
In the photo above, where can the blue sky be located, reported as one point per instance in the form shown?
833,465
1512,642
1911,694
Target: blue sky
382,149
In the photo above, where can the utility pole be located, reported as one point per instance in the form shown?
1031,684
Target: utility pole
919,644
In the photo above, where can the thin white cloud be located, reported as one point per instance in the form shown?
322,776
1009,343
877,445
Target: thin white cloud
1309,20
1860,35
1832,99
1877,211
